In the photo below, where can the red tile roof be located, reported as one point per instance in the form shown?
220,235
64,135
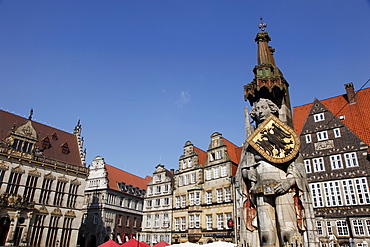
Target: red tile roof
116,175
8,120
202,156
356,115
234,153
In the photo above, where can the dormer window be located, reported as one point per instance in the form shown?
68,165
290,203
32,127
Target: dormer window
17,144
46,143
54,137
319,117
65,148
23,146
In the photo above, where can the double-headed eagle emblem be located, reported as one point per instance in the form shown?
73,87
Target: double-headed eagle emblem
275,140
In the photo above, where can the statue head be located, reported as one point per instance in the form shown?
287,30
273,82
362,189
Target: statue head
262,109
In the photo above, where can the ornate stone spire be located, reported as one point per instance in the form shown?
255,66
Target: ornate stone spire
268,82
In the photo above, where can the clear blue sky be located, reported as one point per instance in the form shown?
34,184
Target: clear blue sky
144,77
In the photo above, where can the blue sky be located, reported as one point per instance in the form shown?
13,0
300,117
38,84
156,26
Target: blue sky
146,76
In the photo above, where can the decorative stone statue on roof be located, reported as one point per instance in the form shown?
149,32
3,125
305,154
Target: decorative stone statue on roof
273,195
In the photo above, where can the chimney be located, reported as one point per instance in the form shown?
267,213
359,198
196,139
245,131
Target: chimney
172,171
351,95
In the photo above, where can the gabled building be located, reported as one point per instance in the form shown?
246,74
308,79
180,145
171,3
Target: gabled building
42,181
113,204
157,219
203,202
335,139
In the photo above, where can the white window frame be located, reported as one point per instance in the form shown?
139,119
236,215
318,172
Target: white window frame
209,197
209,221
349,191
337,132
183,201
336,161
219,195
317,197
208,174
220,221
322,135
191,221
177,224
319,117
318,164
197,221
223,171
308,138
197,198
177,198
329,228
148,220
216,172
156,220
183,223
190,162
184,164
351,159
342,228
193,178
333,195
219,154
191,199
307,164
358,227
362,190
181,180
228,194
319,228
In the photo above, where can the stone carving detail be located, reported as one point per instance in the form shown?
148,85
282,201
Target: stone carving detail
328,144
15,201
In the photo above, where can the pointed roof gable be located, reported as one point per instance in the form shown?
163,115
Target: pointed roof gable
8,120
354,116
116,175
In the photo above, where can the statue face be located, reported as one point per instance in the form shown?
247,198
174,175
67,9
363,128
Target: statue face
262,110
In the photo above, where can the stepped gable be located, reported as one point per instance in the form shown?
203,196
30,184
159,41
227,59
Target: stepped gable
234,153
353,115
116,175
57,138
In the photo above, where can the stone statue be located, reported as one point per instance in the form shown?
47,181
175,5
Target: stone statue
275,194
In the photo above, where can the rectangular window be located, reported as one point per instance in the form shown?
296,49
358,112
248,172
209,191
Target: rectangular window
336,132
149,203
177,201
319,117
219,195
45,191
177,224
358,227
193,178
53,231
158,189
59,193
156,220
191,221
216,172
367,221
209,222
336,161
318,164
211,156
220,221
342,228
333,194
319,228
316,195
227,195
209,197
72,195
197,221
157,202
183,201
184,164
191,199
219,154
187,179
208,174
166,188
223,171
190,162
166,201
351,159
165,220
308,138
37,230
322,135
349,192
13,183
30,188
197,198
183,223
362,190
307,164
329,228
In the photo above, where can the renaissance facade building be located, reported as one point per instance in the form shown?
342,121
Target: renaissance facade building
157,219
42,180
113,204
335,140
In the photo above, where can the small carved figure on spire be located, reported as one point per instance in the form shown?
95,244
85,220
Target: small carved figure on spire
31,113
262,25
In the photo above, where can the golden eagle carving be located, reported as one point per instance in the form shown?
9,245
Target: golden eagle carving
275,140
